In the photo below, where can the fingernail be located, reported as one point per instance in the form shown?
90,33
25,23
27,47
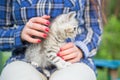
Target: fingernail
47,29
63,58
48,23
60,49
44,35
39,41
58,54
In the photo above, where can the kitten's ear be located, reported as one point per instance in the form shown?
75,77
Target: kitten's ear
71,15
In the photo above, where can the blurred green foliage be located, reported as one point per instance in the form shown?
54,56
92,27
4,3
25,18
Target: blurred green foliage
3,57
112,8
110,45
0,61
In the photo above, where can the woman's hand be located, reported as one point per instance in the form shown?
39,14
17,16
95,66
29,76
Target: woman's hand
70,53
35,29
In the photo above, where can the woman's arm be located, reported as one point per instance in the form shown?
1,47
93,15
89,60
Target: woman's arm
88,38
9,34
12,36
88,41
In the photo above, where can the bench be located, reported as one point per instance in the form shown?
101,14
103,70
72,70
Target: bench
111,65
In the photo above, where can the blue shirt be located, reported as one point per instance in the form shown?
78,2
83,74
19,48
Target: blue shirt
14,14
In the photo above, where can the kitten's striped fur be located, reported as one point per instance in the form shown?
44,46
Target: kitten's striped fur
44,54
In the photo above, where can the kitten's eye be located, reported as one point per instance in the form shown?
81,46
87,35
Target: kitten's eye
75,28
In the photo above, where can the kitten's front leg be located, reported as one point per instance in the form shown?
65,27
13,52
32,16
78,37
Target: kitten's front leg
46,72
57,61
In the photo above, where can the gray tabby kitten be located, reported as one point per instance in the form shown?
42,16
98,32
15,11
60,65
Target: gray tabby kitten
44,54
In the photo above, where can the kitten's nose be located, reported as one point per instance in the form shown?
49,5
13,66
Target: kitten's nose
75,28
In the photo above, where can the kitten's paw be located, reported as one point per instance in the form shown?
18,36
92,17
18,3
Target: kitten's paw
46,72
34,64
62,65
68,64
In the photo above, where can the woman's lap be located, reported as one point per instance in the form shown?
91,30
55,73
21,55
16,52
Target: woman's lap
19,70
77,71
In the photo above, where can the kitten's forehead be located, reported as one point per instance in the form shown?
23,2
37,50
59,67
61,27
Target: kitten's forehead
65,20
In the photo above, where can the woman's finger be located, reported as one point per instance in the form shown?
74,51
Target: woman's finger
77,58
35,33
67,46
70,56
37,26
46,17
40,21
31,40
67,51
74,60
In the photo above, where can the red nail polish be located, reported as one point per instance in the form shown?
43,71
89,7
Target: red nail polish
47,29
60,49
63,58
39,41
44,35
58,54
48,23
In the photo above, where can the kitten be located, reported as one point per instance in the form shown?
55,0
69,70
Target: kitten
44,54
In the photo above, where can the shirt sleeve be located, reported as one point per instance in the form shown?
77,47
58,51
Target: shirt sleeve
9,33
89,37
